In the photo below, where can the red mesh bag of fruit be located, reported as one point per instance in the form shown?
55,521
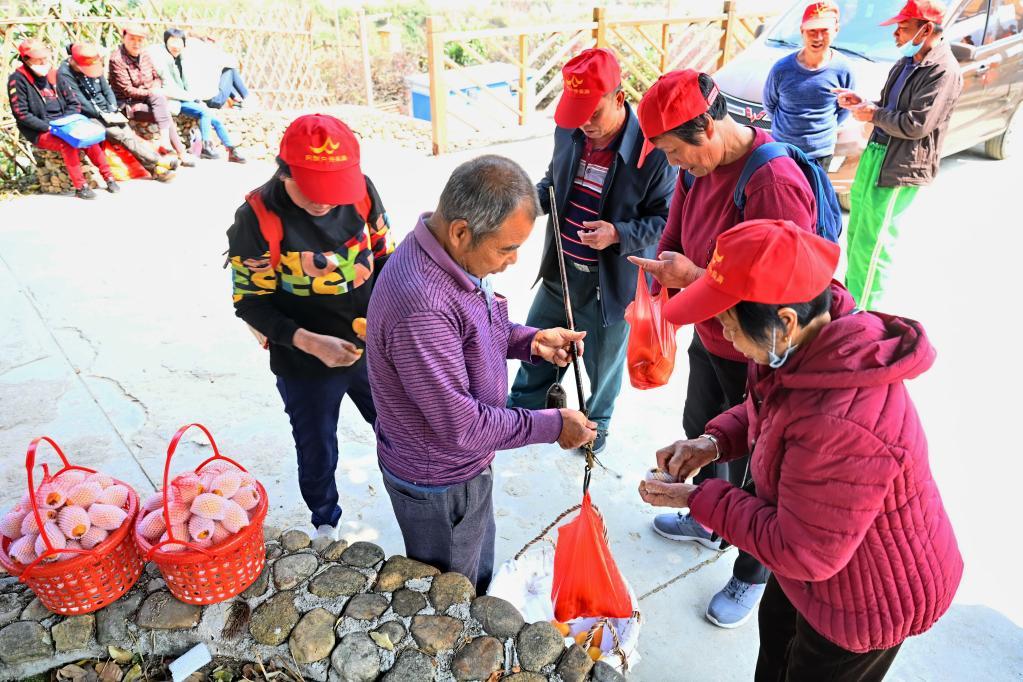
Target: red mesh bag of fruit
587,583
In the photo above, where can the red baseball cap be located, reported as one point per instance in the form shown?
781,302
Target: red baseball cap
588,76
820,15
761,261
674,99
33,49
323,155
88,59
921,10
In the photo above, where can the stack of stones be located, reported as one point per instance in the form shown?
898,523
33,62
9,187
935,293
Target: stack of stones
338,611
52,173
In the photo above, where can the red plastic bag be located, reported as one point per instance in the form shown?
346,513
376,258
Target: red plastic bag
651,351
123,163
587,583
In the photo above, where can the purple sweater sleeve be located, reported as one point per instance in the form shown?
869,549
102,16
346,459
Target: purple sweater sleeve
428,348
520,342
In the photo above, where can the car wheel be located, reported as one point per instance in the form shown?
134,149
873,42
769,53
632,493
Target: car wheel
1010,142
845,201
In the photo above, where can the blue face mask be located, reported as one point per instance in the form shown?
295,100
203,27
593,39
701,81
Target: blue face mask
908,49
774,360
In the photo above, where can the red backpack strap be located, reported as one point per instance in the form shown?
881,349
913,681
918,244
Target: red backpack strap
269,225
364,206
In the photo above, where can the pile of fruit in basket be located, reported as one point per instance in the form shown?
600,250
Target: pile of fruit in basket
204,508
78,510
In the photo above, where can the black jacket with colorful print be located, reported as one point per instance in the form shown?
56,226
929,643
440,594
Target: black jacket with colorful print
323,281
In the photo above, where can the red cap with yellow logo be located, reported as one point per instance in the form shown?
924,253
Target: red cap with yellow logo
760,261
671,101
820,15
588,76
920,10
323,156
88,59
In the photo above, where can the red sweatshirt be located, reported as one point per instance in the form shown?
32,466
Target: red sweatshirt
777,190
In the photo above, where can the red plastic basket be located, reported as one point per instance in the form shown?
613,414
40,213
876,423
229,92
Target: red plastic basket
86,583
208,575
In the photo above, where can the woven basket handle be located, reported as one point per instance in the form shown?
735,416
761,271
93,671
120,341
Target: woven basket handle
30,465
171,449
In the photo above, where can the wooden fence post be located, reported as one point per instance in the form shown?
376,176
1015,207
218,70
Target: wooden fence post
524,98
665,32
364,45
438,89
727,32
600,33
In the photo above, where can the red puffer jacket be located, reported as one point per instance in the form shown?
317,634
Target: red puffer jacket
846,513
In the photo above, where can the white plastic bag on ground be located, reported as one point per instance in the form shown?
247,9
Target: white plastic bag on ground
526,583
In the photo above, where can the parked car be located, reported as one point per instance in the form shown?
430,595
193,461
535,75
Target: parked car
986,37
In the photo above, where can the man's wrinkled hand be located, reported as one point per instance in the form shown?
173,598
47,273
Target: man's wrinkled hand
576,429
554,345
598,234
672,270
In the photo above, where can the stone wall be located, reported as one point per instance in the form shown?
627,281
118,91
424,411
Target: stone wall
337,612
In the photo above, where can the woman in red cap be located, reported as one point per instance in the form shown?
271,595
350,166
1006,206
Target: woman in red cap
844,511
305,249
37,99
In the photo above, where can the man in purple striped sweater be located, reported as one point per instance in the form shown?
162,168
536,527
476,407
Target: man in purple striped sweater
438,343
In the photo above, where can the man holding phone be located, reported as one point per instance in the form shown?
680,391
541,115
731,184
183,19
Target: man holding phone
910,120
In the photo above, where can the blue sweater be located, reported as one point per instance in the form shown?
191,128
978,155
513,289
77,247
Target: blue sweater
804,112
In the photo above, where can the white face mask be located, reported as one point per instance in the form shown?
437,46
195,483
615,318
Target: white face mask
774,360
40,69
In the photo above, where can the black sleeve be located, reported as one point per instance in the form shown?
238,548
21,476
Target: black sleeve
254,280
71,102
18,91
108,94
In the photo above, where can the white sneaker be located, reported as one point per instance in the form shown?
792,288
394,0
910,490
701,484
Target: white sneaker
325,531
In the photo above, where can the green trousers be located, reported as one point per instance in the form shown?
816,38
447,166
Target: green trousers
873,229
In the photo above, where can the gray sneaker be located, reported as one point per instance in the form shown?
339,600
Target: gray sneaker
684,528
734,605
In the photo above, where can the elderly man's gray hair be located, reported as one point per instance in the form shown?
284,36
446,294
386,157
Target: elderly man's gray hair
484,192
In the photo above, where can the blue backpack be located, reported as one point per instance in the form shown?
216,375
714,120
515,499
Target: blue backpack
829,213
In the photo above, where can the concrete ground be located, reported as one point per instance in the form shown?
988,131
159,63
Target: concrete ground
119,328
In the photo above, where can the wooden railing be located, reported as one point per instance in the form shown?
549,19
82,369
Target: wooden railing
465,103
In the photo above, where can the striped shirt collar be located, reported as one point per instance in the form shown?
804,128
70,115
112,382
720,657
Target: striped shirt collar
433,248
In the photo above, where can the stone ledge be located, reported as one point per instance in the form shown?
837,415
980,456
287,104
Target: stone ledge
349,626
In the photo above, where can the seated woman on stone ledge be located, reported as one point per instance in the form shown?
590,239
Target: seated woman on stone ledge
170,62
37,99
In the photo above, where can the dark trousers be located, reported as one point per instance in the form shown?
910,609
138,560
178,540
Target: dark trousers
139,148
715,385
313,405
452,527
603,353
792,651
231,85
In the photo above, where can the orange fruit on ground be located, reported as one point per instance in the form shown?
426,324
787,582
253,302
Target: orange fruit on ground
563,628
580,638
595,653
359,326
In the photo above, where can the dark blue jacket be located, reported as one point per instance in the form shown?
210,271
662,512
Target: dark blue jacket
634,200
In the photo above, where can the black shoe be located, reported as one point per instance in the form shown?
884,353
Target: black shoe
85,193
186,161
208,152
113,187
233,156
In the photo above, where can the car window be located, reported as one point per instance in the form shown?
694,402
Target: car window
1006,20
859,30
968,27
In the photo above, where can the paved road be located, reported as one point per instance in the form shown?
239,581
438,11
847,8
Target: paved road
119,329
